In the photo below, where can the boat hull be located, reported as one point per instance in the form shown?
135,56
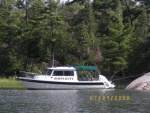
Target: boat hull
47,85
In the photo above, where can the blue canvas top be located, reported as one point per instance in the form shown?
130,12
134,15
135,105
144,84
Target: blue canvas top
86,68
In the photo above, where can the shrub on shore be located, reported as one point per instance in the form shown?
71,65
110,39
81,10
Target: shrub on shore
10,83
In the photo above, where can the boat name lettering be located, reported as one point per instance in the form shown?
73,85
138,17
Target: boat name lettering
62,78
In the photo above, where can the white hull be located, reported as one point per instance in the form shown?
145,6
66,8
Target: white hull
46,85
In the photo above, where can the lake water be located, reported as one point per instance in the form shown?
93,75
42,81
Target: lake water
74,101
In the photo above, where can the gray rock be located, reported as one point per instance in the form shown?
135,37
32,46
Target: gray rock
141,83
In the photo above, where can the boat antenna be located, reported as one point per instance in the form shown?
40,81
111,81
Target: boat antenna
53,60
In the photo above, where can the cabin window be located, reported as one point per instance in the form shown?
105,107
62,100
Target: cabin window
58,73
63,73
68,73
48,72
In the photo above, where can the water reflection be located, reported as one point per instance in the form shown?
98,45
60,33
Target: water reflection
75,101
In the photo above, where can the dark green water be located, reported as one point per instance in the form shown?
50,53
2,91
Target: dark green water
74,101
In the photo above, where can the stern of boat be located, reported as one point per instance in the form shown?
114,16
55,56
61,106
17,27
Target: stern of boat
108,84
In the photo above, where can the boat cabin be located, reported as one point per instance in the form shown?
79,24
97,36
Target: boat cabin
68,73
62,73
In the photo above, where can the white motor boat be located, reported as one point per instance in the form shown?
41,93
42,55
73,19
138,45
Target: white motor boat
77,77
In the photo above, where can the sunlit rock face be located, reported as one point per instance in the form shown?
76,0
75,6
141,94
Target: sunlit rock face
141,83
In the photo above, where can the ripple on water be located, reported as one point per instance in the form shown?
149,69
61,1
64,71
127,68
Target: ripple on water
75,101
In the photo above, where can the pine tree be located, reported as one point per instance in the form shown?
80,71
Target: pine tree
9,30
112,34
139,56
83,32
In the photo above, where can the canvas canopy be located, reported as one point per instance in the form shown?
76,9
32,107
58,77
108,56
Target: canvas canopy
86,68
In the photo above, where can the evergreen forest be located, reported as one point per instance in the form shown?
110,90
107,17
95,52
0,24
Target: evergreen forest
111,34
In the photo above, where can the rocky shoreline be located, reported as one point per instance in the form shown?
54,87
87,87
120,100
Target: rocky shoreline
141,83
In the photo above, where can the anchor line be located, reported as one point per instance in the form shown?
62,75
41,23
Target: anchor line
126,77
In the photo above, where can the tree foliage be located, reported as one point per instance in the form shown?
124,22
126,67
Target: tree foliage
112,34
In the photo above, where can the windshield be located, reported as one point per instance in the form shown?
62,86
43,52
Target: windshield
48,72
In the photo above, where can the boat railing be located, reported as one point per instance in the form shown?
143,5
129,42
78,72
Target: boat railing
27,74
87,76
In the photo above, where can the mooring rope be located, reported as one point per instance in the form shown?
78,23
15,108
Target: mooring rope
126,77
